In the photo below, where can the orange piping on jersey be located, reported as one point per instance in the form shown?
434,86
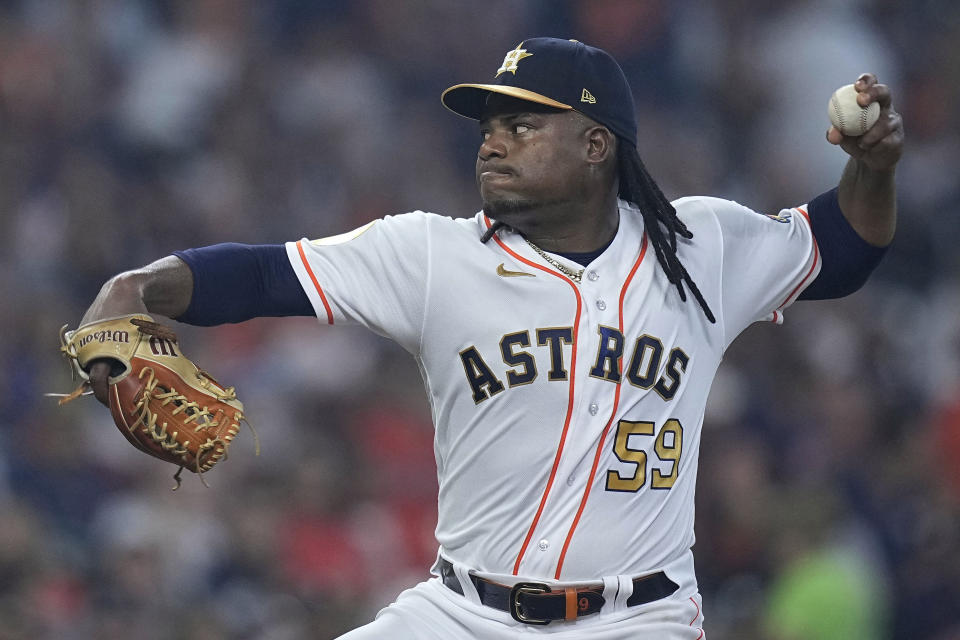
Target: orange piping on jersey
606,429
566,420
313,278
816,259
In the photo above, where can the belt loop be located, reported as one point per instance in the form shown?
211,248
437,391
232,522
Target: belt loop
469,589
625,584
611,594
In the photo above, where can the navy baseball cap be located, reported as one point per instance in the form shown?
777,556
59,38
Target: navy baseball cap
565,74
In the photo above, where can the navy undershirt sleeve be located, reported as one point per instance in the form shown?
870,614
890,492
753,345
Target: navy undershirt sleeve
847,259
235,282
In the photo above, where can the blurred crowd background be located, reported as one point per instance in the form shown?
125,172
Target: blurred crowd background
829,487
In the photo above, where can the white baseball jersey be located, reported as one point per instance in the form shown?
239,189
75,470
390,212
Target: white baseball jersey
567,415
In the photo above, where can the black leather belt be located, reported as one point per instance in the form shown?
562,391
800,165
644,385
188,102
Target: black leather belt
537,603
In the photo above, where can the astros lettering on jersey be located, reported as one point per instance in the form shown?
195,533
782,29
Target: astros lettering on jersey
567,415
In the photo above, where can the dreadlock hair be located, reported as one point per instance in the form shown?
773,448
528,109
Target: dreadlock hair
489,233
659,218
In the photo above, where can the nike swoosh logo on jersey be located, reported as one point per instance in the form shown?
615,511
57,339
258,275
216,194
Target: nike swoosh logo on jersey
511,274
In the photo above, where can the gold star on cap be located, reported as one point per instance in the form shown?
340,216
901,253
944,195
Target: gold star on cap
512,58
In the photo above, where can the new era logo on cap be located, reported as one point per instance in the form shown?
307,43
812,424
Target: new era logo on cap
556,73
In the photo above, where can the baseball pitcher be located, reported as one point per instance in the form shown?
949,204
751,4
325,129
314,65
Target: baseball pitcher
567,336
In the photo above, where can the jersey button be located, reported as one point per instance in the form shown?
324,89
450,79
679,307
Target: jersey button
594,407
543,544
570,481
593,275
601,305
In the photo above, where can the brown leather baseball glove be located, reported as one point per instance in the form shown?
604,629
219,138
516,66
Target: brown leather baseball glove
161,401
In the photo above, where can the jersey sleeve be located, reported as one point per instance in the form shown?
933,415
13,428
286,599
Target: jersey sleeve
767,261
375,276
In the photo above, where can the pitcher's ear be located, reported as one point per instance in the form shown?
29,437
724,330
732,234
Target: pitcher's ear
601,145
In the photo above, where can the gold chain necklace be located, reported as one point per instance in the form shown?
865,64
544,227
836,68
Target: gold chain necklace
565,270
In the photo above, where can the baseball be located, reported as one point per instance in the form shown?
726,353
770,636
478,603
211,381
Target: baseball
848,116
